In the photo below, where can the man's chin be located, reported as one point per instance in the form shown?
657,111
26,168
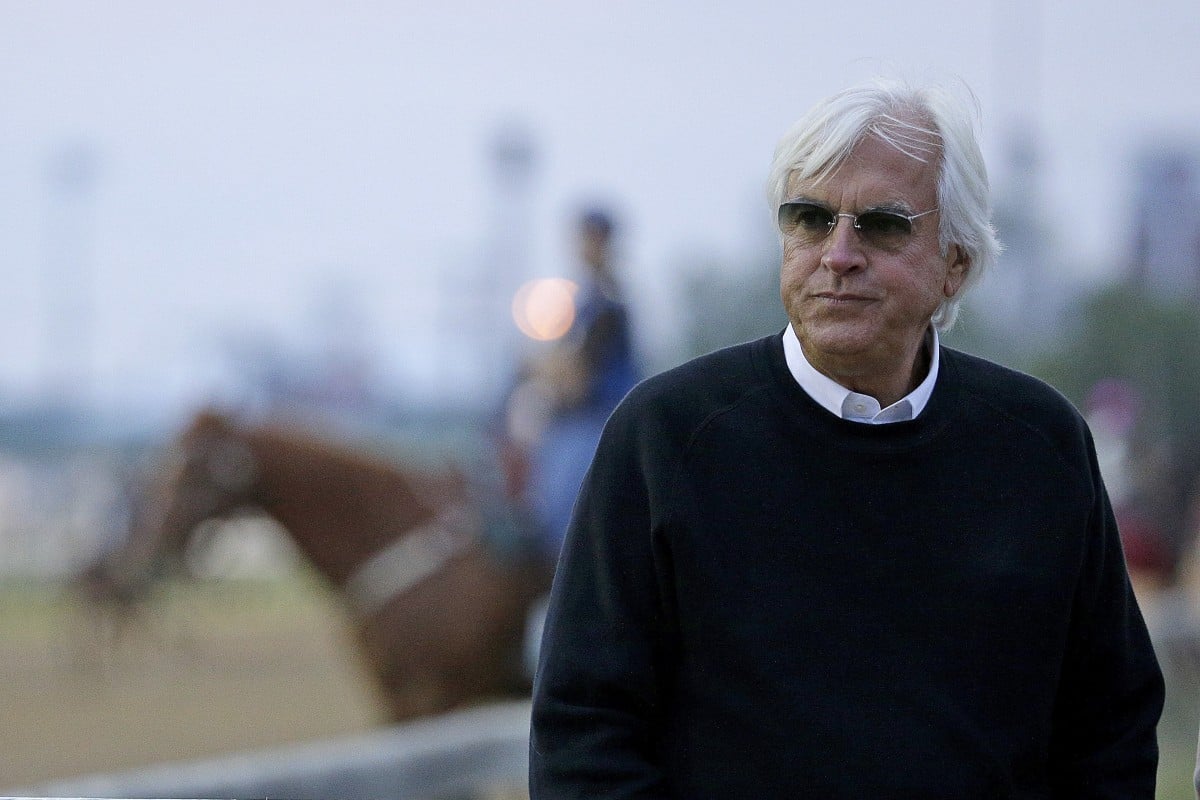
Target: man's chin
840,341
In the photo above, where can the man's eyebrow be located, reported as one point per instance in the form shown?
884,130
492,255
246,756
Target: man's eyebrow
891,206
803,198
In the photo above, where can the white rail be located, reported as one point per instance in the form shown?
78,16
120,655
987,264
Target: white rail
455,754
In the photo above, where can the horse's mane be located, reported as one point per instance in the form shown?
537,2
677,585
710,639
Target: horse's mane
303,439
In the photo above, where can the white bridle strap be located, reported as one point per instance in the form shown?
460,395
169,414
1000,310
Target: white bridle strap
406,561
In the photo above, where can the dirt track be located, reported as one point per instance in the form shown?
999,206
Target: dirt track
210,669
219,668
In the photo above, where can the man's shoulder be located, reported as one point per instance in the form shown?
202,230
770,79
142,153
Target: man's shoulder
1004,384
1021,398
706,384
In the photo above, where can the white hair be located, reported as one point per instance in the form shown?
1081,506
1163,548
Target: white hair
922,122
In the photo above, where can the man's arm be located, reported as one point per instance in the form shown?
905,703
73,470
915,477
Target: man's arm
1111,690
598,695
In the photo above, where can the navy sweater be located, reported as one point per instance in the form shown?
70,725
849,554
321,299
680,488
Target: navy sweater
757,599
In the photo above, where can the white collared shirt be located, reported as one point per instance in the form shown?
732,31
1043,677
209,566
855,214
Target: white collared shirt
844,403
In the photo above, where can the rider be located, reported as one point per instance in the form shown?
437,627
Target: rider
588,372
555,412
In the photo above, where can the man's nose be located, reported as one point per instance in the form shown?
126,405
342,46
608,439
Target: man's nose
843,247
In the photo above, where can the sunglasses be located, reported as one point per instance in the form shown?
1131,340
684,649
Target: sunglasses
811,223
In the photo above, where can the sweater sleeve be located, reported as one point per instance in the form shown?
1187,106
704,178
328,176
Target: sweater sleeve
1111,690
598,694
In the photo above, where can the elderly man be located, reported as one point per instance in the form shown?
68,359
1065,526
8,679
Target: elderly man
845,561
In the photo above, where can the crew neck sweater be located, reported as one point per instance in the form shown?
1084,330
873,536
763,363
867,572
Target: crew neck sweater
758,599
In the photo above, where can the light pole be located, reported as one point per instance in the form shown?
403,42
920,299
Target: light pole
68,281
507,265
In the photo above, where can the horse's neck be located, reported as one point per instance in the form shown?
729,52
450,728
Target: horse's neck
339,510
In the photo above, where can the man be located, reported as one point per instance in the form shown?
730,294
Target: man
845,561
555,415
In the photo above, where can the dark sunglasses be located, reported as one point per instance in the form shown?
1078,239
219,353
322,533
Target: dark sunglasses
811,223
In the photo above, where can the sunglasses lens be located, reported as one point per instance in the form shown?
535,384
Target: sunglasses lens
810,223
805,219
883,228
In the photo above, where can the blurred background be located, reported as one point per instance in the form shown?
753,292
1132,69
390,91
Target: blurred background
330,211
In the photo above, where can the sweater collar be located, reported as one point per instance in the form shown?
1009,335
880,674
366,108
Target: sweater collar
850,405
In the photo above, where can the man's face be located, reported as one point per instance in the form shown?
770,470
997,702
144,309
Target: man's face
860,310
593,246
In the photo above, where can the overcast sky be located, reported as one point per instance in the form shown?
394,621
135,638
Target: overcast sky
253,159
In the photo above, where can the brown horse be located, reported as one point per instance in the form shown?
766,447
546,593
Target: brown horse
440,617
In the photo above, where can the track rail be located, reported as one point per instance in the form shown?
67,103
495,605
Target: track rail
455,754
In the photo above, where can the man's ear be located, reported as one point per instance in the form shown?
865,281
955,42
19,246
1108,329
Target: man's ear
958,265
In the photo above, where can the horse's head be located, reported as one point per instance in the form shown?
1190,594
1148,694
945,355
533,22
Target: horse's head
208,472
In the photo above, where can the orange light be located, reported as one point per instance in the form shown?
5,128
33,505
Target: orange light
544,309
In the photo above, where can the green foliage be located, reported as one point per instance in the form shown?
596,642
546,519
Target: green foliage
975,333
1152,343
725,308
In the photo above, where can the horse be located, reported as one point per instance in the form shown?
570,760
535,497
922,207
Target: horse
439,611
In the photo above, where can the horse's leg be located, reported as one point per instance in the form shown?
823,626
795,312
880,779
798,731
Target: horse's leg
99,616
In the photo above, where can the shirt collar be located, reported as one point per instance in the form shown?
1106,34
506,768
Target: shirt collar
842,402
